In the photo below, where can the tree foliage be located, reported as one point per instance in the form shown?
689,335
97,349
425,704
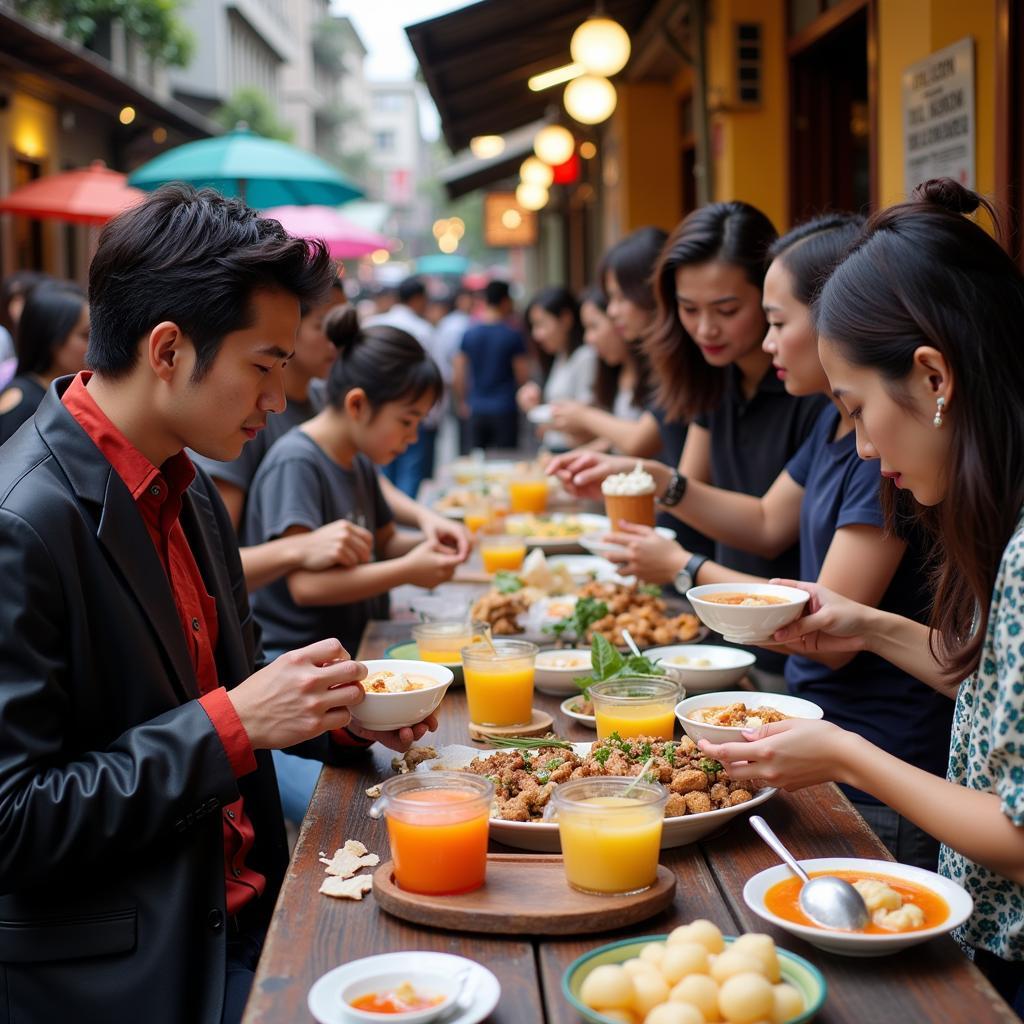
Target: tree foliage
154,23
253,107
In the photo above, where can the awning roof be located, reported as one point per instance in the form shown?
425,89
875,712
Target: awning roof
476,60
466,172
53,64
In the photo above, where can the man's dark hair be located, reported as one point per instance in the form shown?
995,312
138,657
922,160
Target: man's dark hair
193,258
411,288
496,292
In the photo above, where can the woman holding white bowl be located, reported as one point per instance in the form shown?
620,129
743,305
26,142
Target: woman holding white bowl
920,337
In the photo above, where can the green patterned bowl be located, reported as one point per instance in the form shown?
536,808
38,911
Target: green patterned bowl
408,651
802,975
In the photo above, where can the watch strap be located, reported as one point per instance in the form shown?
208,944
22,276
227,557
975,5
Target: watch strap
693,567
675,490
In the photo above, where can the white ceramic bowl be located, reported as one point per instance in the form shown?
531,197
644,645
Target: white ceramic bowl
385,711
555,671
746,624
795,707
424,982
857,943
725,665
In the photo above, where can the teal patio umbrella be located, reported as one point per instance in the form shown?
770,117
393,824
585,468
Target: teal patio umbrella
262,172
442,263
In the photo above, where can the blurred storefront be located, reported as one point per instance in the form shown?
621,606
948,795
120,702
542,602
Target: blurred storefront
797,106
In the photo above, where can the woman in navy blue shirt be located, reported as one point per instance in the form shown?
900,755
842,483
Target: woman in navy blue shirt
827,498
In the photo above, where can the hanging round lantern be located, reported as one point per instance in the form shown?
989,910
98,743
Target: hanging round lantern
567,173
534,171
531,197
590,99
554,144
601,46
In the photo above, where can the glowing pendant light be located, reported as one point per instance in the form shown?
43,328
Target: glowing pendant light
590,99
554,144
601,46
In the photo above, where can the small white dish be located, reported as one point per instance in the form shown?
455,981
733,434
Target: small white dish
556,671
386,711
587,568
702,668
594,541
540,414
859,943
427,984
747,624
482,989
794,707
567,710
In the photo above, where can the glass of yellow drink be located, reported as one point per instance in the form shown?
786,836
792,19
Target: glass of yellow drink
529,494
636,707
442,642
499,682
502,551
610,837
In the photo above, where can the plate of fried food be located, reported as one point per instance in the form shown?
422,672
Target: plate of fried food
702,797
558,530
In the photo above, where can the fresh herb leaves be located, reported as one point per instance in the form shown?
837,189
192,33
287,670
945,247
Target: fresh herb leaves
506,582
608,663
586,612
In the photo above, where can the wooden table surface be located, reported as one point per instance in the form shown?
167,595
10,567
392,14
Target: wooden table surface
311,933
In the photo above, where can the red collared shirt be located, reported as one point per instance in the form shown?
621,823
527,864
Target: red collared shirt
157,494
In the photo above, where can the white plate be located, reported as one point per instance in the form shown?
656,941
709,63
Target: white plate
857,943
542,836
594,542
324,1000
585,568
540,414
566,707
727,665
588,521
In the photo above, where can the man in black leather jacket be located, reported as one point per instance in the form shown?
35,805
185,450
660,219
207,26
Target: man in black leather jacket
141,838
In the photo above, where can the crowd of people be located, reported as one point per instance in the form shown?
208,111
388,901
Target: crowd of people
208,482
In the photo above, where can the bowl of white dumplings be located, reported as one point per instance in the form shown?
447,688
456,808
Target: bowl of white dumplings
905,904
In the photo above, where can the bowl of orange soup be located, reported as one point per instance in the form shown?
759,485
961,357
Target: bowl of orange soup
400,693
747,613
907,904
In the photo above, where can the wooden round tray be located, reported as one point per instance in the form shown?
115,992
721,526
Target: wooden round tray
540,725
525,894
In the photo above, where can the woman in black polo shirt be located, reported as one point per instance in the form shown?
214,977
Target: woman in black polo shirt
705,352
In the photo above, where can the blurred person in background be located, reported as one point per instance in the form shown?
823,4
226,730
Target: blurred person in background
52,339
569,366
12,300
490,367
457,318
409,314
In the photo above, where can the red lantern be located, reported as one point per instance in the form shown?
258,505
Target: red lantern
567,173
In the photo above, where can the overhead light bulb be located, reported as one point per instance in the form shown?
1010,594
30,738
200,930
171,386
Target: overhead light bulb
601,46
554,144
531,197
534,171
483,147
590,99
556,76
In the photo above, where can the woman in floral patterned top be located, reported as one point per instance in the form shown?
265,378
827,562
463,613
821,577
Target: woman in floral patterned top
921,330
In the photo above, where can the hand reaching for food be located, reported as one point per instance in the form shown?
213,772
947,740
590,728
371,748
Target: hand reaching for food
644,553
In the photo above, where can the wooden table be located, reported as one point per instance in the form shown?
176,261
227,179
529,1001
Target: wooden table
311,933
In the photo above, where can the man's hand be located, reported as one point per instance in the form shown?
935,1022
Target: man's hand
397,739
338,543
299,696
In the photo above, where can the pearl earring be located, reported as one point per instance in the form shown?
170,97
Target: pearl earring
940,404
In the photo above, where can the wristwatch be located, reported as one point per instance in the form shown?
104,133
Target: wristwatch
675,490
687,576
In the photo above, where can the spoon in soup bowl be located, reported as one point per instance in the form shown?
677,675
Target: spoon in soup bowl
828,901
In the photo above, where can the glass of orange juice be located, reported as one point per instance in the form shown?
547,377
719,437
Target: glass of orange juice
610,828
499,682
478,514
502,551
443,641
437,826
636,707
529,493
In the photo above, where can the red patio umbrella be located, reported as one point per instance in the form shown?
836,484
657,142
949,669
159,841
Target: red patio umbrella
345,239
87,195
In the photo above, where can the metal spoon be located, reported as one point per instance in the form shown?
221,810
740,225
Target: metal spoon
826,900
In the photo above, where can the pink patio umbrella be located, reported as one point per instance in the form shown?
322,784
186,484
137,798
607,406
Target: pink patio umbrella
88,195
345,239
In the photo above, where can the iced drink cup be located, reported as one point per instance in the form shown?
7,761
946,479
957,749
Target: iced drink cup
629,496
499,682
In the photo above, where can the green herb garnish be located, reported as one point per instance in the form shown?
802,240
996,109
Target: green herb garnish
586,612
506,582
608,663
528,743
710,765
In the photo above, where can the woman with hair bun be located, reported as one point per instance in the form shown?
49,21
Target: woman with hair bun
919,332
379,389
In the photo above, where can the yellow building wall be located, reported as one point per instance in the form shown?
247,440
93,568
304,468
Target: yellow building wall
750,146
908,31
647,157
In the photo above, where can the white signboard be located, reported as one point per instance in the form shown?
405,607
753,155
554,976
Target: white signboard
938,117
